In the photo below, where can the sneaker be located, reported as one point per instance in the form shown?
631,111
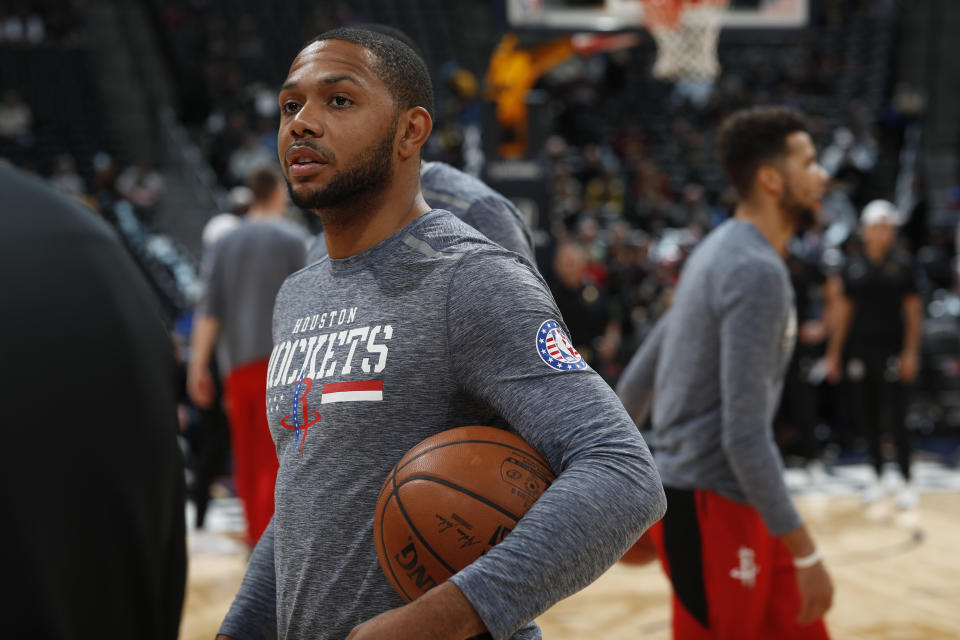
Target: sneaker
907,497
817,473
873,492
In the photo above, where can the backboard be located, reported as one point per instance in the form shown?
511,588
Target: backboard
619,15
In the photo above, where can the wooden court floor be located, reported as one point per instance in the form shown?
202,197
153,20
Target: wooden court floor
897,577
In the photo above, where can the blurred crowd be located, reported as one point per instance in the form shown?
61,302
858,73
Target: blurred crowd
37,22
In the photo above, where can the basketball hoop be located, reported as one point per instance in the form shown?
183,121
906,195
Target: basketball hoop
686,32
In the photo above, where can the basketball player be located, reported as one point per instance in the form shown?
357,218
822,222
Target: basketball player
242,273
413,324
742,564
470,199
91,474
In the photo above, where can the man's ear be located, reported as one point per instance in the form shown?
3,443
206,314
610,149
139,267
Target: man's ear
413,127
770,179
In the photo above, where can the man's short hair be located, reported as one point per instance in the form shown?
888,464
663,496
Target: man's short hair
393,32
398,66
263,182
752,137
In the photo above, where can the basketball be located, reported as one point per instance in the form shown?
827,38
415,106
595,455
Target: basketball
449,500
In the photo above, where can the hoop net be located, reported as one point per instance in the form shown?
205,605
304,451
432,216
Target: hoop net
686,32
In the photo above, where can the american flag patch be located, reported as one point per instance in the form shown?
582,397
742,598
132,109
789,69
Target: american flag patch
556,349
367,391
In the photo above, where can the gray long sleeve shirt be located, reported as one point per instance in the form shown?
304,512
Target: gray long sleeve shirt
242,273
713,368
433,328
471,200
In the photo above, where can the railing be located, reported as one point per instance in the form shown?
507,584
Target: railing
904,195
186,158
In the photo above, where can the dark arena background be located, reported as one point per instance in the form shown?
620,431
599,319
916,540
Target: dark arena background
153,113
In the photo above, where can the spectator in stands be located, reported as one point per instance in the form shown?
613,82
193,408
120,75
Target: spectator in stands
142,186
847,151
104,187
242,273
249,158
583,305
25,27
65,177
240,198
16,119
877,335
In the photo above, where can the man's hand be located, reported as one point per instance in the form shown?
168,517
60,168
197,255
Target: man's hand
816,593
834,368
812,332
398,624
908,367
443,613
203,337
201,388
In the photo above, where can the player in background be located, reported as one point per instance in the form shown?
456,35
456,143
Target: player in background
242,273
742,564
415,323
877,334
468,198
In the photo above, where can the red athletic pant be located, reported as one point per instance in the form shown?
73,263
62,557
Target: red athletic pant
731,579
254,454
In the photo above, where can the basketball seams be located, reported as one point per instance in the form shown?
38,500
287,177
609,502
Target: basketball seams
416,532
525,452
383,544
463,490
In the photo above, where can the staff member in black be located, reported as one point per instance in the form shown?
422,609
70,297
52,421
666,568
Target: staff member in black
799,404
877,333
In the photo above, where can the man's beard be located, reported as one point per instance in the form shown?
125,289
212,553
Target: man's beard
352,190
804,217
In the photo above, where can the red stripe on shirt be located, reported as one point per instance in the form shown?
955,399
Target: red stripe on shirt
367,385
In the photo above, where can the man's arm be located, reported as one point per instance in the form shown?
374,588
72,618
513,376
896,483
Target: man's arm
607,491
501,221
441,613
203,337
839,325
253,614
751,310
912,325
635,387
813,581
206,328
751,350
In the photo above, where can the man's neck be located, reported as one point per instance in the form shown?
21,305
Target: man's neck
876,253
349,233
263,213
771,222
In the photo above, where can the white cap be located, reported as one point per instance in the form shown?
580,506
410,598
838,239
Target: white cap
241,196
217,227
879,212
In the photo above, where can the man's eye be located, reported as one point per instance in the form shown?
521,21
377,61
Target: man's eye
341,101
290,107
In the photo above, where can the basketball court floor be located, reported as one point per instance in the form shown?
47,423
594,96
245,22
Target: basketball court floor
897,573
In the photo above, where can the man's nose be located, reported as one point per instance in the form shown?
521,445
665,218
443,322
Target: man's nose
305,124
